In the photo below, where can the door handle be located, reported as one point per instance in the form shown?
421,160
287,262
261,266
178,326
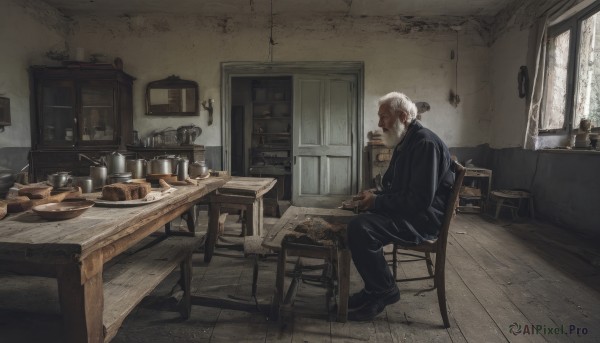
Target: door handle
294,160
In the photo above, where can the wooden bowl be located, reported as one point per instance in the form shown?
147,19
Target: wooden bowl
63,210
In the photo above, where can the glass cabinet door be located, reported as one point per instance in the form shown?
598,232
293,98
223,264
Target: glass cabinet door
57,113
97,122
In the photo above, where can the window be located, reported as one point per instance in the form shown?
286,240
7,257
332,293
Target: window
572,89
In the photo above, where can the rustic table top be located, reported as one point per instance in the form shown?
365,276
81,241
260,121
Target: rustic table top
295,215
28,237
248,186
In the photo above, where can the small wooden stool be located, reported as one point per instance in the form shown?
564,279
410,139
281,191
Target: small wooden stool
507,198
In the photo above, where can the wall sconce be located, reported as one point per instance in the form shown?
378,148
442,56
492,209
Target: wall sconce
209,108
4,113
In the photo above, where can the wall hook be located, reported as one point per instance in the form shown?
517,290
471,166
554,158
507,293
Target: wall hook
209,108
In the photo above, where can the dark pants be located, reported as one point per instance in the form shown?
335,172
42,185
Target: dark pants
368,233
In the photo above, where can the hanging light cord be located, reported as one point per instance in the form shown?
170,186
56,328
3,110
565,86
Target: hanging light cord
271,41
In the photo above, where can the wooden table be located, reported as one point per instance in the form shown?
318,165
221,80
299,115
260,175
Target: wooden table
240,192
340,257
74,252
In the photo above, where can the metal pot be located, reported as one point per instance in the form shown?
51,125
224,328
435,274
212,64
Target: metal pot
136,167
119,177
161,166
115,163
174,160
98,175
198,169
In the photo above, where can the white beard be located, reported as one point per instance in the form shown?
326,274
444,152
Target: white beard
392,137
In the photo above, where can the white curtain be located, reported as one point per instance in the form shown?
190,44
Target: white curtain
547,13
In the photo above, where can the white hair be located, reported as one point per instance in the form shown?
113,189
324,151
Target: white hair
400,102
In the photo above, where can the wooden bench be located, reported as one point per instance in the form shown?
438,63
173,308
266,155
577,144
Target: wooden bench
133,277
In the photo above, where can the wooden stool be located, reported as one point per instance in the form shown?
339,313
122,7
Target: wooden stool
506,198
336,257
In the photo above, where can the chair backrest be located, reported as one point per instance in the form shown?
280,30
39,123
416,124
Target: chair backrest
459,175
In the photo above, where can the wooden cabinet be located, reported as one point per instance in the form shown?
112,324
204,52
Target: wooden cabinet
271,142
378,159
475,191
78,109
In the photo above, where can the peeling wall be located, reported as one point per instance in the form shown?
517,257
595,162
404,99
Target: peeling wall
399,54
508,111
28,29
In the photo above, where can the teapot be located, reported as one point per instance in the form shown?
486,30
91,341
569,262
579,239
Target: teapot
186,135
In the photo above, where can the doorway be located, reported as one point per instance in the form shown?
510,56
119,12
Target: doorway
261,129
330,155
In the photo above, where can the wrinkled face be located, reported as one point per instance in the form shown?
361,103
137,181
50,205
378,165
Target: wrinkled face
393,125
387,119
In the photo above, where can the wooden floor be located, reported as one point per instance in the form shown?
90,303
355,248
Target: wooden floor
516,282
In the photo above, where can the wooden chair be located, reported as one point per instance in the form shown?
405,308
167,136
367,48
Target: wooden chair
438,247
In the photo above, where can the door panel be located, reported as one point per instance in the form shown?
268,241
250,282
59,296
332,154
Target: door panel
310,112
339,176
309,169
325,171
339,130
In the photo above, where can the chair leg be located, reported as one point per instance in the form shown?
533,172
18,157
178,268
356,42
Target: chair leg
531,209
499,204
279,284
429,264
395,262
440,283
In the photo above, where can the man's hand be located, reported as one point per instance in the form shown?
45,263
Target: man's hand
365,199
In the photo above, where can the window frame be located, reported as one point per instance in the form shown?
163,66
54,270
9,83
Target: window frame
574,25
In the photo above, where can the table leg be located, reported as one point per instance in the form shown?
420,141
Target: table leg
81,305
254,218
214,212
343,270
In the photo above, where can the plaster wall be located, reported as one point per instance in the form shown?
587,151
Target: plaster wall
417,63
27,31
508,111
564,185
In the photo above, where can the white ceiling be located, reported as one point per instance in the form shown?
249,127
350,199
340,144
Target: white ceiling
420,8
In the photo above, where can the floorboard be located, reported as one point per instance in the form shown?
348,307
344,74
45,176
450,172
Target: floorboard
499,275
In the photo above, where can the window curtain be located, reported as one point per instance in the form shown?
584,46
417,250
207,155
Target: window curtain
547,13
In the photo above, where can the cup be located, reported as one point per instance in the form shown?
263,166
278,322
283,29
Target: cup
182,169
98,175
59,180
85,183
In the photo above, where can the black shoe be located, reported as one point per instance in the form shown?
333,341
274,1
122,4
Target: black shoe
357,300
374,305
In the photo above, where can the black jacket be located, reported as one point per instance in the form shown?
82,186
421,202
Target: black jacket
417,183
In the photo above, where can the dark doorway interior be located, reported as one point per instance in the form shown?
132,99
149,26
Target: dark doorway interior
237,141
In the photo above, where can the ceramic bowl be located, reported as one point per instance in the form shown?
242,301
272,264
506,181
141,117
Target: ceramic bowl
63,210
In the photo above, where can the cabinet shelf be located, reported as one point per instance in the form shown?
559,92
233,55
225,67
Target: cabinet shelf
271,117
273,134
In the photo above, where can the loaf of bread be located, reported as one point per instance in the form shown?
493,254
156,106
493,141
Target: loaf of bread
125,191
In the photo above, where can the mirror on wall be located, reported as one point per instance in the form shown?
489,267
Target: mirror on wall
172,97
